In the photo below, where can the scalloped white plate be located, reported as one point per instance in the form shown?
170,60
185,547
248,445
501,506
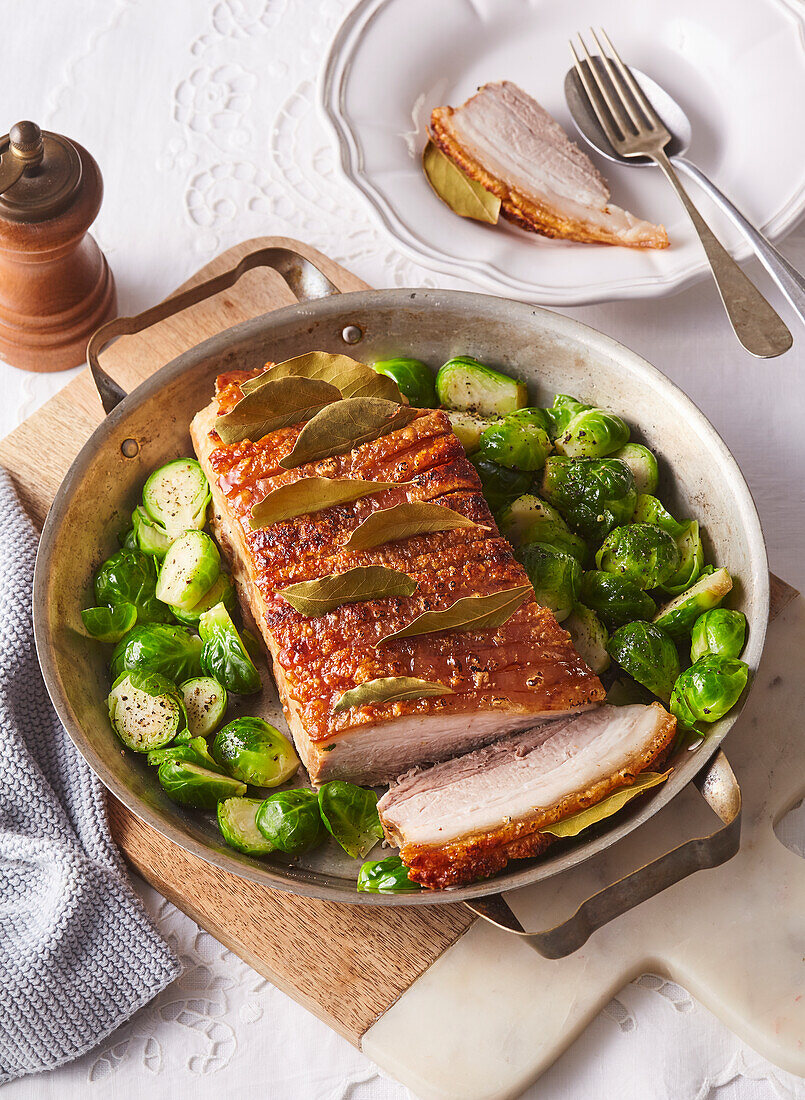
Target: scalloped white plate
738,70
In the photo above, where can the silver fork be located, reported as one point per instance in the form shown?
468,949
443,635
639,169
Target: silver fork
634,129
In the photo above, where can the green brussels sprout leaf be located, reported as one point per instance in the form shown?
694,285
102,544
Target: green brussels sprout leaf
129,576
224,656
386,876
414,379
350,816
691,560
109,624
190,784
648,655
171,651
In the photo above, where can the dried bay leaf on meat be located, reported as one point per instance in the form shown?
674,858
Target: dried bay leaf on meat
365,582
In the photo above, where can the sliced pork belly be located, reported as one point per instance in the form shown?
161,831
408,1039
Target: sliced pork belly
506,141
465,819
502,679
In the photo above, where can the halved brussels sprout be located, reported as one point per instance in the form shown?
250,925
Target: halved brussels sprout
678,615
222,591
718,631
562,411
708,689
414,380
518,519
145,709
291,822
191,785
150,537
469,427
650,510
109,624
129,576
643,464
171,651
194,750
386,876
190,569
555,577
616,599
593,433
518,441
176,496
648,655
224,655
691,560
350,816
255,752
464,383
237,820
500,486
205,703
593,494
645,554
589,636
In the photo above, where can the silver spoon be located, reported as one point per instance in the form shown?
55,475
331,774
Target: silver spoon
789,280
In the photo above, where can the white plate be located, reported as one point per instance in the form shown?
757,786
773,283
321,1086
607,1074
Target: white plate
738,70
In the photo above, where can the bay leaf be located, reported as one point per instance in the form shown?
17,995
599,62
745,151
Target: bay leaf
365,582
278,404
389,689
467,613
463,195
313,494
403,521
352,378
575,823
344,425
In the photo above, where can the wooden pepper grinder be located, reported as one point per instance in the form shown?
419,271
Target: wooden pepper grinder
55,284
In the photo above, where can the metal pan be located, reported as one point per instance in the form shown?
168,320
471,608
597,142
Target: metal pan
554,353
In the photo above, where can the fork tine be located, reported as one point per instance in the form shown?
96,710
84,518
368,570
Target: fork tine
619,88
642,100
619,117
596,102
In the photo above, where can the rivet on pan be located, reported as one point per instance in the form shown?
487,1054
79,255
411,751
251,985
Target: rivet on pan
130,448
351,334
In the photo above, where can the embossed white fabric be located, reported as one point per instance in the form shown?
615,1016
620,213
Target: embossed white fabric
203,118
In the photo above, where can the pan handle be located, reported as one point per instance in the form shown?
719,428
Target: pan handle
719,787
302,276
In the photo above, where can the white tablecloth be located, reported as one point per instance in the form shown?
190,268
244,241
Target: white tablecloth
203,118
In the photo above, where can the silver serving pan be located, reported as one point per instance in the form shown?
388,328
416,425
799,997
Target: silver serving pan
554,354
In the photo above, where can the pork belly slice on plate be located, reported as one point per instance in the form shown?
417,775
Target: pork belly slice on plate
465,819
501,679
505,140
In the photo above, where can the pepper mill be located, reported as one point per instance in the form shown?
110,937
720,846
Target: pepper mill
55,284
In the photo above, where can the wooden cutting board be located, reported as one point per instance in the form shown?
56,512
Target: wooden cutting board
346,964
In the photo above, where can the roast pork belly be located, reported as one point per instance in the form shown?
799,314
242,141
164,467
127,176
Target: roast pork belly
502,679
466,818
505,140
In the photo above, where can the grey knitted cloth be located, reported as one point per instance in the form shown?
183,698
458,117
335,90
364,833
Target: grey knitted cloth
78,954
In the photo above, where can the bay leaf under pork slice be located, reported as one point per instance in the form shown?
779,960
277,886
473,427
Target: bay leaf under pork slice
278,404
344,425
353,379
467,613
313,494
404,521
389,689
463,195
365,582
591,815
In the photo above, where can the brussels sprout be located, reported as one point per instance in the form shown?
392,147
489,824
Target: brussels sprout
129,577
128,539
386,876
255,752
145,709
678,615
290,821
554,576
469,428
195,750
464,383
616,599
718,631
517,520
648,655
190,569
350,816
222,591
224,655
645,554
176,496
191,785
691,560
593,494
109,624
518,441
237,820
500,486
414,380
205,704
150,537
170,650
563,410
643,464
650,510
589,636
708,689
593,433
